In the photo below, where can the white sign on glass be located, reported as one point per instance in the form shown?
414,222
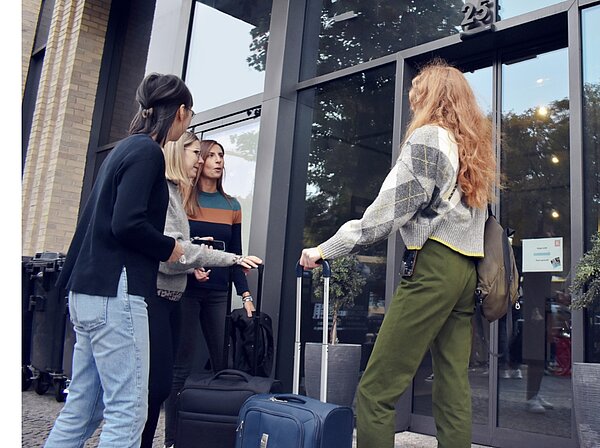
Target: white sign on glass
543,255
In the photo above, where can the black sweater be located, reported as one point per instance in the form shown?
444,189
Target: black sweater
122,224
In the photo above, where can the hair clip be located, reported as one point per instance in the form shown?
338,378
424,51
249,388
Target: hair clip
147,112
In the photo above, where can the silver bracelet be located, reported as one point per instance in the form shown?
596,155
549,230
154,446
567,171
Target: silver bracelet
248,298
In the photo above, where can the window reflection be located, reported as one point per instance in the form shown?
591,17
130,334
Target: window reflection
227,51
535,369
348,127
240,142
591,149
340,34
512,8
132,63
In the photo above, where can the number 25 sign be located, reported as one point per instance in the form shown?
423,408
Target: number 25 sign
479,16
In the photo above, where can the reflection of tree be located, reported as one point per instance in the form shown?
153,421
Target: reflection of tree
374,29
244,145
350,151
259,44
535,163
591,148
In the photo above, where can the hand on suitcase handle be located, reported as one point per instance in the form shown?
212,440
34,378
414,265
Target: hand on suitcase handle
310,257
300,269
249,262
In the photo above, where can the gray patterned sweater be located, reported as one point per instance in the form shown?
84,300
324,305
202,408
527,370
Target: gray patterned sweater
173,276
419,199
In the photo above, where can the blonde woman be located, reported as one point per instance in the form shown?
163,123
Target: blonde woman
436,196
182,162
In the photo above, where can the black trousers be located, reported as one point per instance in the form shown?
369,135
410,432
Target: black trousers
206,308
164,318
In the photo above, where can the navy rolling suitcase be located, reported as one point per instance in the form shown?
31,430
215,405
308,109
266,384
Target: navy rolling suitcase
292,420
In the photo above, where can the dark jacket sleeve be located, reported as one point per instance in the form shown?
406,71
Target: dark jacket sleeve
239,277
135,182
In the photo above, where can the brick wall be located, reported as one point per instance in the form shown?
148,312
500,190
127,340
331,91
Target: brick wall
56,156
29,19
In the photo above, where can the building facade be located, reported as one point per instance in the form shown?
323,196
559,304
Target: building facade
309,99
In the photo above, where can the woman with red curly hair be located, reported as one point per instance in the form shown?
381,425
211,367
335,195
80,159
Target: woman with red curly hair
436,196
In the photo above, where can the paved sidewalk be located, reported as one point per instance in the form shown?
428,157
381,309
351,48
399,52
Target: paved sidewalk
39,412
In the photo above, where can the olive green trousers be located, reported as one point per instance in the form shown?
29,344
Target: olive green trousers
430,310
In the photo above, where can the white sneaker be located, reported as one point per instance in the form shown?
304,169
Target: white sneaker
516,374
535,406
505,373
545,404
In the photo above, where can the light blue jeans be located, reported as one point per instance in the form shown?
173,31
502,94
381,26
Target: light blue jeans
110,371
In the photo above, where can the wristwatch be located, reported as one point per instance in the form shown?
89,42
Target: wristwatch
247,298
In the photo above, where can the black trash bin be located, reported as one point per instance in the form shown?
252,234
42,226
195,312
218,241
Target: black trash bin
50,323
26,318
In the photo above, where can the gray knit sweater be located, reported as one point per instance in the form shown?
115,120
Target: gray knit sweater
173,276
419,199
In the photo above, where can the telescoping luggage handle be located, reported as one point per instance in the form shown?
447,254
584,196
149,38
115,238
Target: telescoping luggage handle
324,343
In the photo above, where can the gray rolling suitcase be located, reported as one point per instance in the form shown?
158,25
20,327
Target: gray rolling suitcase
286,420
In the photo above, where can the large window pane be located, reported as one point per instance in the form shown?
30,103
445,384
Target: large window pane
132,51
240,141
346,127
591,150
227,51
535,379
340,33
512,8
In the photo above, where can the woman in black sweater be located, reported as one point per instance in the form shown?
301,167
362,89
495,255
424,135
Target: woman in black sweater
111,267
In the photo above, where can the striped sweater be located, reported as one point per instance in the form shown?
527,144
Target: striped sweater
221,218
419,199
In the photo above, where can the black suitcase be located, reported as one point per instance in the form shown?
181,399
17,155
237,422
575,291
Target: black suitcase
208,405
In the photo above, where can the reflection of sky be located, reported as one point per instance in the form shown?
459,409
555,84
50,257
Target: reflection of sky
217,71
535,82
239,172
591,38
512,8
481,83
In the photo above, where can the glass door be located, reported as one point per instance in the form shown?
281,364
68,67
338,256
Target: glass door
534,385
523,396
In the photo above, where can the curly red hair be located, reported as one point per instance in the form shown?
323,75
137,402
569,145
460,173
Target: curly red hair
441,95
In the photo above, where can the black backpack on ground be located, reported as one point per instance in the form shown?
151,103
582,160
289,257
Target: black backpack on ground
252,342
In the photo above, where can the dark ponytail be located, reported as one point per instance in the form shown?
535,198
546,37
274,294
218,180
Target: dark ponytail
159,97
